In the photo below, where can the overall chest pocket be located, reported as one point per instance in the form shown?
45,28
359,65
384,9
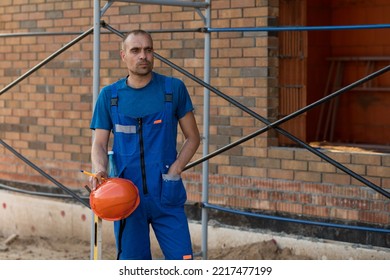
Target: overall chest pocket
155,138
126,138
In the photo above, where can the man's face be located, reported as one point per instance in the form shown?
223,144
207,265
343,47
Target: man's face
137,53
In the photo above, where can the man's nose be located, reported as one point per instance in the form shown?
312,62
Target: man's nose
142,54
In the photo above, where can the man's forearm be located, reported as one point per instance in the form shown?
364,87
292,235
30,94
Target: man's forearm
187,152
99,158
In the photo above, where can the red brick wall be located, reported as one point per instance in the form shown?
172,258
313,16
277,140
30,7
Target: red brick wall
46,117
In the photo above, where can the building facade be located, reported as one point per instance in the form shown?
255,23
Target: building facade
46,116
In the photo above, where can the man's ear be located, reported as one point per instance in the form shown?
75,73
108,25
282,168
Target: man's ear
122,54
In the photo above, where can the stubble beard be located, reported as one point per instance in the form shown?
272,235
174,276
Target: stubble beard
142,71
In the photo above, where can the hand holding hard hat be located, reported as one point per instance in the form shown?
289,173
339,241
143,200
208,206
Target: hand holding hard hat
114,199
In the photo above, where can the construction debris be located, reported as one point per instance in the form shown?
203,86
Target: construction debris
3,248
7,242
10,239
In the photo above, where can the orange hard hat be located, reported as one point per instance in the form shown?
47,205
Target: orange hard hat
115,199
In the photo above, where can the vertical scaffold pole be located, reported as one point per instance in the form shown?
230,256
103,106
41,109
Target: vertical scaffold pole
206,116
96,225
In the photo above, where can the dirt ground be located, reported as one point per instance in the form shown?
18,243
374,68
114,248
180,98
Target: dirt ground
41,248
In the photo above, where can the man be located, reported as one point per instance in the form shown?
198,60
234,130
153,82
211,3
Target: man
143,111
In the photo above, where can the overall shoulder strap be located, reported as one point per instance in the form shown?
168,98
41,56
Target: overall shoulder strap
114,103
168,89
114,93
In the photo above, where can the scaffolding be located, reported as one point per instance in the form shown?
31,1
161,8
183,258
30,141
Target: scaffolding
204,10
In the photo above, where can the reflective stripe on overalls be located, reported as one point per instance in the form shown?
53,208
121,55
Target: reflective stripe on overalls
144,148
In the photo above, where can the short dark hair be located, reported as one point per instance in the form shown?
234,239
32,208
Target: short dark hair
135,32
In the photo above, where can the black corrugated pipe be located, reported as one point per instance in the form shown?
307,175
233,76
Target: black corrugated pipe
44,174
306,222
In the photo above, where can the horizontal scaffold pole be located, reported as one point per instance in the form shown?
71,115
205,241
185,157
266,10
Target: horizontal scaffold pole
168,3
297,28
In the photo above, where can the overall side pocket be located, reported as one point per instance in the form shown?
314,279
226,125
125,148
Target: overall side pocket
173,193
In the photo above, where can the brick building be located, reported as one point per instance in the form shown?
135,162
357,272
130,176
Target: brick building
46,116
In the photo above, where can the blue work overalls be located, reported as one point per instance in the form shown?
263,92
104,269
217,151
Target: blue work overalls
144,148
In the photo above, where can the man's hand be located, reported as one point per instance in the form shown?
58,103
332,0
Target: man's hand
97,179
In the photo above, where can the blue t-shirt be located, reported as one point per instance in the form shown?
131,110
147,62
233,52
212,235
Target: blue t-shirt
140,102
